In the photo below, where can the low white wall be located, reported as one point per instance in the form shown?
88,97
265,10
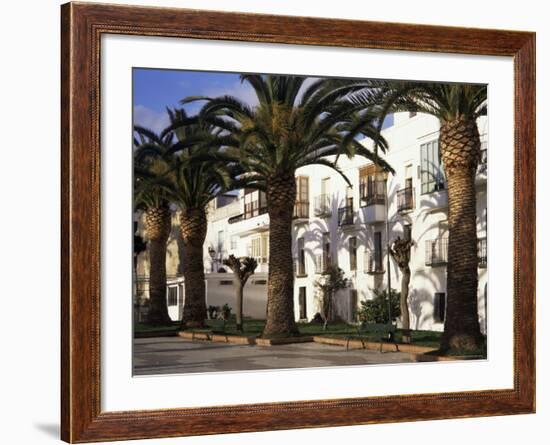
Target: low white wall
255,293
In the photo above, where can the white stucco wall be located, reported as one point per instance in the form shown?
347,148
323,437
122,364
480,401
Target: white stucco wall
404,137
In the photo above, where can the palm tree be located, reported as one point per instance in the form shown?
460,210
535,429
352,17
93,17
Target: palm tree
293,125
198,178
152,191
457,106
242,269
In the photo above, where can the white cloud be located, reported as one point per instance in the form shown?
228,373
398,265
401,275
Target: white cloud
145,117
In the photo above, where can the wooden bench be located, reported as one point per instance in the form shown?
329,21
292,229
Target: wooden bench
216,326
386,332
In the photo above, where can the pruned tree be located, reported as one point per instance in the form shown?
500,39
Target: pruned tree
330,283
242,269
400,251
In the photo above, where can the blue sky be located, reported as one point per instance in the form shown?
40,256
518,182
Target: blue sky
155,89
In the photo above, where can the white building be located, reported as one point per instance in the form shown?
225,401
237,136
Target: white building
347,226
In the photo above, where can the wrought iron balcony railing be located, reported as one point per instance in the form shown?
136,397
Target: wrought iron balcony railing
236,218
482,167
374,263
372,192
322,263
250,211
345,215
437,251
322,205
405,199
482,252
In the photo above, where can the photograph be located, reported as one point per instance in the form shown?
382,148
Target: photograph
285,221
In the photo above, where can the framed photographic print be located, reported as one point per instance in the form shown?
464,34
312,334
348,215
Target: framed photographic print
275,222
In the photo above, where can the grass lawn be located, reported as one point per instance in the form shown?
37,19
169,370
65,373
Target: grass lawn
144,328
254,327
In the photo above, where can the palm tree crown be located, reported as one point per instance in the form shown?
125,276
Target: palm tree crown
296,123
457,106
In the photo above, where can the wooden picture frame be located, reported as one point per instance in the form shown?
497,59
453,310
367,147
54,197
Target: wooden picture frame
82,26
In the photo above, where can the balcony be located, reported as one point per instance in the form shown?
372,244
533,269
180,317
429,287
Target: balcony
405,199
345,216
299,268
251,210
373,199
481,174
372,193
301,211
322,263
437,252
482,168
236,218
373,262
482,252
322,206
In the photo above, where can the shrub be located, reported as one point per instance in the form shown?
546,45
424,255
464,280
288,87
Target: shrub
213,312
226,312
376,310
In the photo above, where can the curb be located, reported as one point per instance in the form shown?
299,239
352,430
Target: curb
357,344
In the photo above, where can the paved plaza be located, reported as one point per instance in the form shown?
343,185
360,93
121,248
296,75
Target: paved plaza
174,355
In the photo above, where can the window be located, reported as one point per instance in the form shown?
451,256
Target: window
353,253
405,196
407,232
412,114
302,189
301,207
259,248
322,201
439,307
255,203
371,186
173,296
325,186
233,242
301,257
302,303
431,170
221,242
326,251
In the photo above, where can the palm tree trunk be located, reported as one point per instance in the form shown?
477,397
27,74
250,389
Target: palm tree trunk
460,152
239,314
404,305
281,194
193,233
157,222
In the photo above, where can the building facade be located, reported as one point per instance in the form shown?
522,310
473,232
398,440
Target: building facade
349,226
